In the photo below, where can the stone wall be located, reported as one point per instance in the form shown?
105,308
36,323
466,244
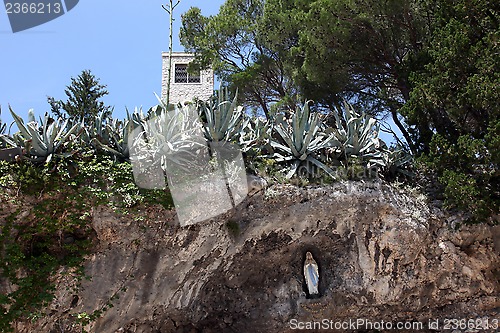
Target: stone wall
181,92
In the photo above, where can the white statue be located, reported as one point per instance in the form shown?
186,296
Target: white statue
311,274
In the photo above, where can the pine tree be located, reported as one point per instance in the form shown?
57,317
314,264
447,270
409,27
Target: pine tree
83,102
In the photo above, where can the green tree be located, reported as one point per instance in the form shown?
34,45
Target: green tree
454,104
457,91
83,102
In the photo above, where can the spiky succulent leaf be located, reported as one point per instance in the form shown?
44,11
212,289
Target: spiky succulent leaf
225,120
356,132
43,141
255,132
175,137
5,141
397,160
301,139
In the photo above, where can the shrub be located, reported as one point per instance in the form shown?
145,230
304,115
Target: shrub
57,230
468,169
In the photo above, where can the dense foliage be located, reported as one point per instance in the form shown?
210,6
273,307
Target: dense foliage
457,90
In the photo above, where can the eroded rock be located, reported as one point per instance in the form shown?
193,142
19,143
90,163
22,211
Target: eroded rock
383,254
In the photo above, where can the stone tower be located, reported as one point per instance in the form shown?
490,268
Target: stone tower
183,85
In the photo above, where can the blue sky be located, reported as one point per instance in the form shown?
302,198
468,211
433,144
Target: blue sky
119,41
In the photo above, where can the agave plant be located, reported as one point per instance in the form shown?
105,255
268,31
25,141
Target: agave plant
97,131
121,131
137,119
167,140
7,141
10,147
3,136
176,138
161,106
111,135
3,125
256,133
225,120
301,140
43,142
357,134
113,138
397,160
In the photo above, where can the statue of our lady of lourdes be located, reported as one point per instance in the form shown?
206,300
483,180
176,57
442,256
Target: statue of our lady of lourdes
311,274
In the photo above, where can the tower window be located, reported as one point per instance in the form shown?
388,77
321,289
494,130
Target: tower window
182,75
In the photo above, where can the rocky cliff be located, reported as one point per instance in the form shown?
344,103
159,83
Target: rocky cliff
384,254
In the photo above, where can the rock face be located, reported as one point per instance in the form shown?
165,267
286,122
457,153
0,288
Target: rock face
383,254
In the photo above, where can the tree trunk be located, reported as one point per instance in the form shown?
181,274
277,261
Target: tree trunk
403,130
